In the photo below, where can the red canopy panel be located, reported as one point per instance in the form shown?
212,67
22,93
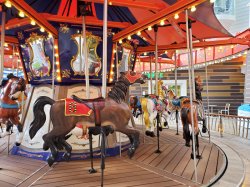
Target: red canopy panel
205,25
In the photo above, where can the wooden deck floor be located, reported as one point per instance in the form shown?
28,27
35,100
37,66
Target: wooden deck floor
172,167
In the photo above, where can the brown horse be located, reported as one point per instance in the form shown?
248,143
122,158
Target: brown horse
9,108
113,111
186,117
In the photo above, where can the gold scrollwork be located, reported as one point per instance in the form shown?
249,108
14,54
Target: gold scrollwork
66,73
64,28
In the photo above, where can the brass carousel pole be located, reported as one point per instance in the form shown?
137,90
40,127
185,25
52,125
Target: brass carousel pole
104,49
189,48
2,41
85,54
150,70
175,83
208,116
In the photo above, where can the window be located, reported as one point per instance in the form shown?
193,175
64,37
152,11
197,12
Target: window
224,7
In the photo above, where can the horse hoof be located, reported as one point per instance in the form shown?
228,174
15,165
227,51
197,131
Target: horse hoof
160,128
165,124
192,156
148,133
18,144
204,129
131,152
66,156
152,134
187,144
198,156
50,161
92,170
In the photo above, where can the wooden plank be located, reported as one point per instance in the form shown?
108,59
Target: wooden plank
202,165
212,165
9,179
154,156
220,161
143,151
5,184
189,170
162,155
172,165
169,157
183,163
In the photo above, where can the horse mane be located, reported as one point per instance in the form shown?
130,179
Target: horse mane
119,91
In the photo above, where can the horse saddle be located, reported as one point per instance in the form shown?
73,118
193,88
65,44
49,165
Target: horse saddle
176,102
96,104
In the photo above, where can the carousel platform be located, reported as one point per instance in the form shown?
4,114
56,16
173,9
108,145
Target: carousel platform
172,167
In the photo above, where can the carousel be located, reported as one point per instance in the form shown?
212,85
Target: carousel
101,100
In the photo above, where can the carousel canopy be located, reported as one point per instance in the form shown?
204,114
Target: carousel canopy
127,20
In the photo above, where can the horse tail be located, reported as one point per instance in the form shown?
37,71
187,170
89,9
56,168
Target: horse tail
39,114
144,102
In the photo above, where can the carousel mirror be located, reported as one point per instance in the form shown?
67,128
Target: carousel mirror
39,63
94,61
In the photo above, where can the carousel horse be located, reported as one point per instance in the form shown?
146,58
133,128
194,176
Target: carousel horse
151,105
9,108
183,105
65,114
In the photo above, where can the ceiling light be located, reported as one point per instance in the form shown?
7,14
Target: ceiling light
7,4
193,9
129,37
32,22
149,28
120,41
21,14
162,22
42,29
176,16
139,33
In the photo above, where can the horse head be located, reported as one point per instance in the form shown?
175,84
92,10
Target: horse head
171,94
133,77
198,83
18,86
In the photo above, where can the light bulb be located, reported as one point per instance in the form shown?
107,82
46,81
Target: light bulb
21,14
193,8
32,22
7,4
149,28
139,33
42,29
176,16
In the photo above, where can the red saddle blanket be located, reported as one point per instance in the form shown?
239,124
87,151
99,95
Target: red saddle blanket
73,108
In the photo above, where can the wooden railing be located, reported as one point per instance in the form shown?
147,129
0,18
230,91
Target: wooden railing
231,124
